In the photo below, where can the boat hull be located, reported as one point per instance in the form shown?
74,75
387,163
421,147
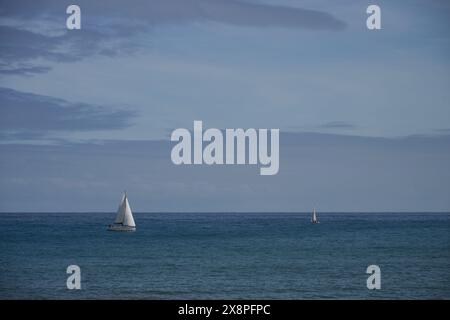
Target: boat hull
121,228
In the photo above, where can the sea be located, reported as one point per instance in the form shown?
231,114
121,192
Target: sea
226,256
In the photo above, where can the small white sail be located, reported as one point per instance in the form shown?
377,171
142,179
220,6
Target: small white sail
124,218
314,217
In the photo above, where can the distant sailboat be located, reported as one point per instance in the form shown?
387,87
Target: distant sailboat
124,219
314,217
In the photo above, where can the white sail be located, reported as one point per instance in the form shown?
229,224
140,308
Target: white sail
128,216
314,216
121,211
124,218
124,215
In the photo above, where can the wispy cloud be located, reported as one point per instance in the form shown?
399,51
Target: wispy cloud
112,27
31,115
20,48
338,125
444,130
22,69
241,12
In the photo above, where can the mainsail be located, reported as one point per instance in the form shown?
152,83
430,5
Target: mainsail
124,214
314,216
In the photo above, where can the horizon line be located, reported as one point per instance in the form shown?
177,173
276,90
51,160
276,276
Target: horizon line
228,212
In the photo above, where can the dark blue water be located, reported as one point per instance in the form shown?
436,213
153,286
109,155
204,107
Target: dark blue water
225,256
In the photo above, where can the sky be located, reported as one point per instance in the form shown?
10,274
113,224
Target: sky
363,115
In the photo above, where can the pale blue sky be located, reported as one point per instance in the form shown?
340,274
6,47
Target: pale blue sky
391,82
138,71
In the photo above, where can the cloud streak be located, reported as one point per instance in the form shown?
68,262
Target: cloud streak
24,70
31,115
153,12
112,27
19,48
338,125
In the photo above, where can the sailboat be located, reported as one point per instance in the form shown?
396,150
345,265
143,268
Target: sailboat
124,218
314,217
